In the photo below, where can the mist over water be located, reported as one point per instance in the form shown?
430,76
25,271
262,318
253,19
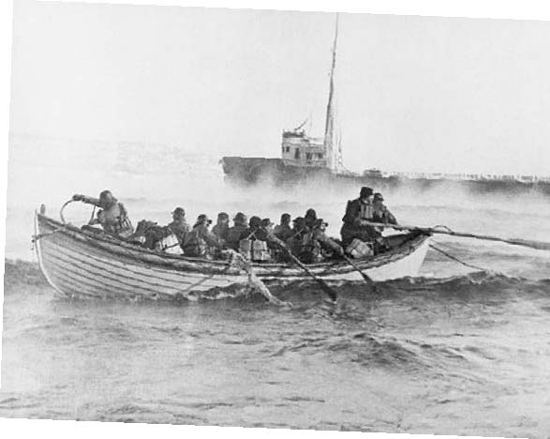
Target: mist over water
456,351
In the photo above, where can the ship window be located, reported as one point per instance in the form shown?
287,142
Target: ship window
297,153
287,148
308,155
320,156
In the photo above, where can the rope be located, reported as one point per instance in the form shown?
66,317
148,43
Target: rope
443,252
92,216
42,235
237,260
443,227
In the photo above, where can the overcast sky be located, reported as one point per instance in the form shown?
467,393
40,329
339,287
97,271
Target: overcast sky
413,93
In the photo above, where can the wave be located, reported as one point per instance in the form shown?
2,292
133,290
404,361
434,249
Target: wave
471,287
18,272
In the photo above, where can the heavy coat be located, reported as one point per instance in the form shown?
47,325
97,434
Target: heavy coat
112,218
357,212
200,241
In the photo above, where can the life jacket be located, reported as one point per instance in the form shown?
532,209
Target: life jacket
115,221
367,211
194,244
359,249
254,249
169,244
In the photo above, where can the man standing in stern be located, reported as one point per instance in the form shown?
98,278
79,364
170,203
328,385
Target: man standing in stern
359,213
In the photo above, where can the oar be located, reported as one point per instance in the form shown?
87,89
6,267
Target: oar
368,280
324,286
538,245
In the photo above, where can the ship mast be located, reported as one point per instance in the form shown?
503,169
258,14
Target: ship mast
329,124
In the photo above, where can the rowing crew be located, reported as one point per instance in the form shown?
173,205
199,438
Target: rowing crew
256,238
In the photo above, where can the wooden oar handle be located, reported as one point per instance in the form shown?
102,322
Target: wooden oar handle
538,245
324,286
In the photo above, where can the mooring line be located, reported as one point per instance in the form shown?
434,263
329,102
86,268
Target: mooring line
443,252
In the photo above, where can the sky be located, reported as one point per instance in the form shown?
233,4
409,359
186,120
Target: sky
425,94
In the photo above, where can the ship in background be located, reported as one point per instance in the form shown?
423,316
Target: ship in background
306,159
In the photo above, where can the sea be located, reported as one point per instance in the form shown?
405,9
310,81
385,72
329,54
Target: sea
462,349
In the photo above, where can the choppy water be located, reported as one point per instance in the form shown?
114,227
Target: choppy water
453,352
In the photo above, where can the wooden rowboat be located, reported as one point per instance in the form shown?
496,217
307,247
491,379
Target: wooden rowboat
80,263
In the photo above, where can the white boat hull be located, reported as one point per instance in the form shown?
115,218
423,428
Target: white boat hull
79,264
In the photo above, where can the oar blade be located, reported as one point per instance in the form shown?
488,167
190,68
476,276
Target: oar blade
327,289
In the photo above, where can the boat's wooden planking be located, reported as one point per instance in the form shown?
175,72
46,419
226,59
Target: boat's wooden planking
77,263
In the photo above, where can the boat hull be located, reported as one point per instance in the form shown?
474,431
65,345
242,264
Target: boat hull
83,264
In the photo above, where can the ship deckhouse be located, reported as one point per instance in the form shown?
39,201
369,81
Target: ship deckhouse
302,150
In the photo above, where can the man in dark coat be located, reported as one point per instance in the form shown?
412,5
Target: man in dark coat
310,218
200,241
358,213
235,233
316,244
283,231
294,243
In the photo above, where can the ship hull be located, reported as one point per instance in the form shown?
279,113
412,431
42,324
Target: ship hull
248,171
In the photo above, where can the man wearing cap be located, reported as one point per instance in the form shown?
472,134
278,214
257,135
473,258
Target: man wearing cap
359,212
222,226
381,213
200,241
283,231
112,215
316,244
235,233
179,226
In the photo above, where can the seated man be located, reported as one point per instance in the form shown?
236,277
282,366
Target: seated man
179,226
310,218
254,241
283,231
316,245
234,233
201,242
381,213
112,216
221,229
294,243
